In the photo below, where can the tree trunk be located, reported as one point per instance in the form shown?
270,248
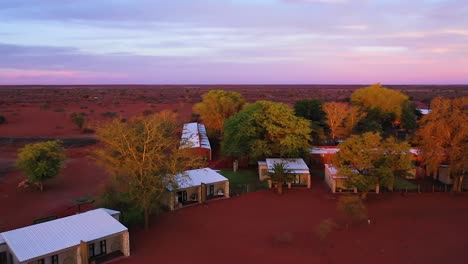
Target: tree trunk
457,184
41,187
364,196
146,215
279,186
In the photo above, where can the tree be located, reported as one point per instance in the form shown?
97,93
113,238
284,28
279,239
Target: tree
367,161
443,137
378,97
2,119
310,109
217,106
336,113
352,118
143,155
280,175
79,119
409,116
266,129
41,161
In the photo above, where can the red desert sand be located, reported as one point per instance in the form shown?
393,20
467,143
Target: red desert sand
254,228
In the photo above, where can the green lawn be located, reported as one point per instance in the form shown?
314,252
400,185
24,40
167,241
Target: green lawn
244,180
402,184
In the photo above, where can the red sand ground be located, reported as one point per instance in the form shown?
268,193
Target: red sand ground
417,229
426,228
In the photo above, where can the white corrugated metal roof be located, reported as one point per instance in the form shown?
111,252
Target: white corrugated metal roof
193,178
194,136
1,239
334,172
424,111
293,165
45,238
110,211
324,150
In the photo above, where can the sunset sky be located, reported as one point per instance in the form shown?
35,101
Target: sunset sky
233,42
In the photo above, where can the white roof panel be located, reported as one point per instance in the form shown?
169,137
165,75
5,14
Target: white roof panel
293,165
194,136
424,111
193,178
45,238
332,150
1,239
334,172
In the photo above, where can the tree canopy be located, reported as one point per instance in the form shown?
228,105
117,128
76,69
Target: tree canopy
443,137
217,106
367,161
41,161
336,113
378,97
143,156
266,129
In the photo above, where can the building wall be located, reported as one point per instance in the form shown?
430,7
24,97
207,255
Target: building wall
263,172
444,175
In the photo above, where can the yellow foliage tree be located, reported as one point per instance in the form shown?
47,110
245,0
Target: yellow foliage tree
143,156
379,97
217,106
443,137
336,113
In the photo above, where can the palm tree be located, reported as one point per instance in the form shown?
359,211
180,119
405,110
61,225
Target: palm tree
280,175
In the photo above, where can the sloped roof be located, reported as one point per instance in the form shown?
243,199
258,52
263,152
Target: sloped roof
45,238
194,136
293,165
193,178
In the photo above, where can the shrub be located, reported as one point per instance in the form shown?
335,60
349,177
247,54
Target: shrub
352,208
2,119
283,238
109,114
324,228
148,112
78,119
41,161
130,215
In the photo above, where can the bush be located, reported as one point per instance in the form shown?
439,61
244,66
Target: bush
2,119
352,208
113,199
78,119
324,228
109,114
283,238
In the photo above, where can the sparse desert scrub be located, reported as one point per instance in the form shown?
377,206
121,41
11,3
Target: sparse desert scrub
352,208
324,228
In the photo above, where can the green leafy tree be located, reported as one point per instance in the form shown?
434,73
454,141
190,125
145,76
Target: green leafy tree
41,161
443,137
217,106
266,129
409,116
367,161
143,156
310,109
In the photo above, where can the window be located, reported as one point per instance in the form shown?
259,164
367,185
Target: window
40,261
54,259
91,250
103,247
3,258
211,190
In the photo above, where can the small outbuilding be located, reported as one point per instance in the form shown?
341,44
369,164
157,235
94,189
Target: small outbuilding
297,167
195,138
196,186
95,235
